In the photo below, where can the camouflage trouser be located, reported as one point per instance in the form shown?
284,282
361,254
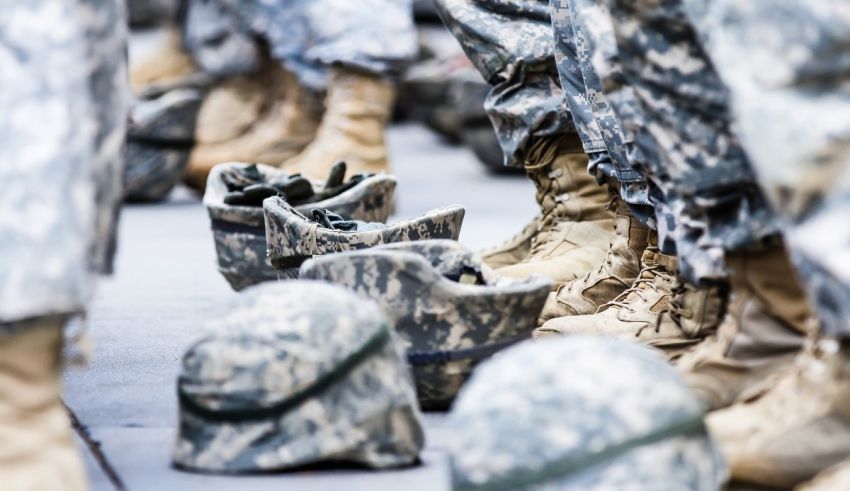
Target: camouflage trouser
64,109
511,44
788,67
688,129
307,36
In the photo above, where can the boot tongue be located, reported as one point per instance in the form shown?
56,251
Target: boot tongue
650,260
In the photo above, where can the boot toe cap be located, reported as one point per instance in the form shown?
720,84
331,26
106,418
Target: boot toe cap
554,308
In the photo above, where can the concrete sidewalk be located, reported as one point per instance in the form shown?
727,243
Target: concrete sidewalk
166,285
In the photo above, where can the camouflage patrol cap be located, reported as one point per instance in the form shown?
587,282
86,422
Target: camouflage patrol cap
450,310
240,233
292,237
296,373
580,413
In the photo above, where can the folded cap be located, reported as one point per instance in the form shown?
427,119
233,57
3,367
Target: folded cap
580,414
296,373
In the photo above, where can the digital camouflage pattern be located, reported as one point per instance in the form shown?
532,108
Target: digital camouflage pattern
239,232
514,48
217,42
449,308
510,43
373,36
160,136
688,128
64,107
296,373
292,238
585,414
778,56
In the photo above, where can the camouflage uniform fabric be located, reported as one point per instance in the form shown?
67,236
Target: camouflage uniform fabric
510,43
524,107
778,56
688,128
450,310
585,414
292,238
240,233
296,373
307,36
61,151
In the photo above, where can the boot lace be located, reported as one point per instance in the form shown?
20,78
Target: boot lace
540,156
675,310
644,283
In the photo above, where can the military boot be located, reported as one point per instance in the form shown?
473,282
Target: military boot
166,65
358,107
831,479
766,325
618,271
798,428
513,250
265,118
637,313
576,224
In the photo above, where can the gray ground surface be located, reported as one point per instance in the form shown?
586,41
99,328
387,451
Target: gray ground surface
166,284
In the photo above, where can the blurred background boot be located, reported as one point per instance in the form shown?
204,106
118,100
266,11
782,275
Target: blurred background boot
165,65
831,479
766,326
264,118
357,109
576,225
37,448
798,428
618,271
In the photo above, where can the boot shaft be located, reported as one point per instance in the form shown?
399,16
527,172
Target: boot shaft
767,276
565,190
358,105
301,108
631,236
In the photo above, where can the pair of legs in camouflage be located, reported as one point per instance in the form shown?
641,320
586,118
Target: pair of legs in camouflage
784,64
317,88
681,59
544,57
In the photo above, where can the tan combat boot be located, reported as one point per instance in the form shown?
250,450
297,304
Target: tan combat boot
798,428
832,479
576,225
358,107
637,313
618,271
264,118
768,318
166,65
37,447
515,249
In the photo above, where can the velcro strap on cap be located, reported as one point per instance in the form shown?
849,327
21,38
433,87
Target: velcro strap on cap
568,466
425,358
374,344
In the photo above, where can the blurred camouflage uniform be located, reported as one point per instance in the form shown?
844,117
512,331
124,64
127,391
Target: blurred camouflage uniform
581,414
307,36
296,373
63,73
688,128
775,55
785,63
